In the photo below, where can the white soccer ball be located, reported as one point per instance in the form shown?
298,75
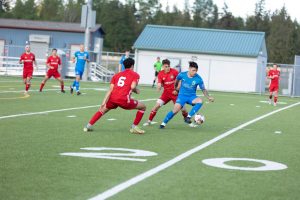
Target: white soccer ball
199,119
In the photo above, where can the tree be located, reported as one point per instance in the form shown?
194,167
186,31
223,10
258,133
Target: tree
282,39
51,10
204,13
72,12
17,11
4,7
228,21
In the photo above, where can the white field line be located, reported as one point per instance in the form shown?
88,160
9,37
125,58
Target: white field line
59,110
20,91
122,186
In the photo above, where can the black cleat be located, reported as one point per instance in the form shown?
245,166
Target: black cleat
63,91
162,126
187,120
71,89
78,93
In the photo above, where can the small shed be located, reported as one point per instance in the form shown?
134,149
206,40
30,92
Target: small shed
228,60
43,35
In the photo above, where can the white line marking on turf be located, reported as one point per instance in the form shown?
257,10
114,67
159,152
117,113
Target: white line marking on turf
122,186
72,116
18,91
111,119
52,111
279,102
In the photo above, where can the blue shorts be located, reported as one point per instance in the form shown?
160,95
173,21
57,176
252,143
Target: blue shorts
183,99
79,73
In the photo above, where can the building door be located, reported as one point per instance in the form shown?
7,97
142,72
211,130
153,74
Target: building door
40,49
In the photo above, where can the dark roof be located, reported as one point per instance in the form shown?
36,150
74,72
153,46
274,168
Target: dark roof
199,40
45,25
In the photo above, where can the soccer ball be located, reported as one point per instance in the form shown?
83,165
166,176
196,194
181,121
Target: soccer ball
199,119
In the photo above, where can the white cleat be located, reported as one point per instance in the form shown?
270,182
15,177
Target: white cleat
86,129
275,104
147,124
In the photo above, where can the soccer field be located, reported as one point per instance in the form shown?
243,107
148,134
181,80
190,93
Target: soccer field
46,155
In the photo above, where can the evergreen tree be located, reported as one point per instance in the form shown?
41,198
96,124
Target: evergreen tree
52,10
4,8
282,39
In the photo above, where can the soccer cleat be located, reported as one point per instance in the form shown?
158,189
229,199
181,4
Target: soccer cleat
71,89
86,129
275,104
63,91
78,93
270,101
162,126
147,123
137,130
187,120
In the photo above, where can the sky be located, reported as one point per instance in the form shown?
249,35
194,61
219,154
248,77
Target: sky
244,8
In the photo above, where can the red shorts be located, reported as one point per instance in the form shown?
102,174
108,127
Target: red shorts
27,74
53,73
273,88
166,97
127,105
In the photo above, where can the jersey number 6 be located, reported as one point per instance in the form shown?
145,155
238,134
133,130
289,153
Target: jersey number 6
121,81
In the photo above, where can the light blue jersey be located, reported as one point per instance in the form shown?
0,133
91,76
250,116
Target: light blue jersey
188,88
121,62
80,60
189,84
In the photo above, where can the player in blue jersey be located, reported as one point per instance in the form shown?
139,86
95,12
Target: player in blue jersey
121,65
81,58
186,84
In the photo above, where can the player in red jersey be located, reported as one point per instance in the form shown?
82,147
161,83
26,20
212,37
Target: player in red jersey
274,75
53,62
27,59
118,95
166,79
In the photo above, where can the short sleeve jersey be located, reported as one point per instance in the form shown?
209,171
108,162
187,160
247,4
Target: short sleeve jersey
158,66
122,85
121,62
80,60
189,84
54,61
28,59
167,80
275,80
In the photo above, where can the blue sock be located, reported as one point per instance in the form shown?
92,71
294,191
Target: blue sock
195,109
168,117
74,83
77,86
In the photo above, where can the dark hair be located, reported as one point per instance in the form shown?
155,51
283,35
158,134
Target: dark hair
54,49
166,61
193,64
128,62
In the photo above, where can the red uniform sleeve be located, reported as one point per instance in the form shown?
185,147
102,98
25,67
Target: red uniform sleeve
48,60
59,61
269,73
113,80
22,57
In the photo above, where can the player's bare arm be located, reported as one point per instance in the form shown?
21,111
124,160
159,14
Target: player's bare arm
159,86
134,88
210,98
73,59
107,95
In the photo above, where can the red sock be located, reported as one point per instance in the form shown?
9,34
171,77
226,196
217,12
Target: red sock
42,86
152,115
184,113
138,117
62,87
275,99
27,87
96,117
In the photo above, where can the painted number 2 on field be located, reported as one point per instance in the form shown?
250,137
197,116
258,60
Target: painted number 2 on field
112,153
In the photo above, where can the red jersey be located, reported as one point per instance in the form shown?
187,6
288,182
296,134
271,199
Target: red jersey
276,73
167,80
122,85
28,59
54,62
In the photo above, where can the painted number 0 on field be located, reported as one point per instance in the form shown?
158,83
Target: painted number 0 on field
127,155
